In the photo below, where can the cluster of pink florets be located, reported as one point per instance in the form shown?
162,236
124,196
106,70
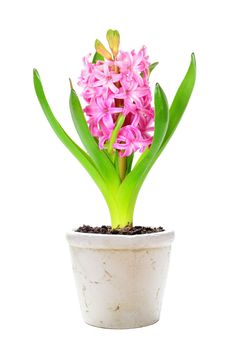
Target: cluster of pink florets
119,86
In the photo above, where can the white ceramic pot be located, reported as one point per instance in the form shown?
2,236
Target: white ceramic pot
120,279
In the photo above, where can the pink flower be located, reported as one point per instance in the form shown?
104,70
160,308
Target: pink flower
86,74
106,78
130,140
102,110
141,60
131,92
132,65
114,87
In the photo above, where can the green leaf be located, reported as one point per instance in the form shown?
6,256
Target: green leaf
130,187
101,160
142,156
180,101
178,106
115,132
97,57
82,157
161,125
165,125
129,163
152,66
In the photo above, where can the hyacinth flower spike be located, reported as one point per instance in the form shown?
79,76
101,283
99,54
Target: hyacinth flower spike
119,120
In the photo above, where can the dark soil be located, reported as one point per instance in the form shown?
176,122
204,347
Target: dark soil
128,230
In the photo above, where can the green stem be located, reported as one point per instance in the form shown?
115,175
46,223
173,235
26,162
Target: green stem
121,216
122,163
120,223
119,219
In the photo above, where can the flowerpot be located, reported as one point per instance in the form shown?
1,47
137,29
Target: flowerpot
120,278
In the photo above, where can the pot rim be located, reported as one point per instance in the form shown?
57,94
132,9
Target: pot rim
120,242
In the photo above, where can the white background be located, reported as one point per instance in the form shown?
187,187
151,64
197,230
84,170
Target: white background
45,192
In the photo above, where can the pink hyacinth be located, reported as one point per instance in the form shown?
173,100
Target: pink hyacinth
114,87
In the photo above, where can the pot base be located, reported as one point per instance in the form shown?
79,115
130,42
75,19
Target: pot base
117,327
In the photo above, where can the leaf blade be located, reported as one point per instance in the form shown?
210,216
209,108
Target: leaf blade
81,156
103,163
130,187
115,132
152,67
97,57
161,125
180,101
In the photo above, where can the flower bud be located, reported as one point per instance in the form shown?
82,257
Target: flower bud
101,49
113,39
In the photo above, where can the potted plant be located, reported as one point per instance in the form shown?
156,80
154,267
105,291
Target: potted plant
120,270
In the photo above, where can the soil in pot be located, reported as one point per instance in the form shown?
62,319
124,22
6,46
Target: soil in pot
128,230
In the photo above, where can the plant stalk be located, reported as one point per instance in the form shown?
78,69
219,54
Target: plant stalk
122,163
